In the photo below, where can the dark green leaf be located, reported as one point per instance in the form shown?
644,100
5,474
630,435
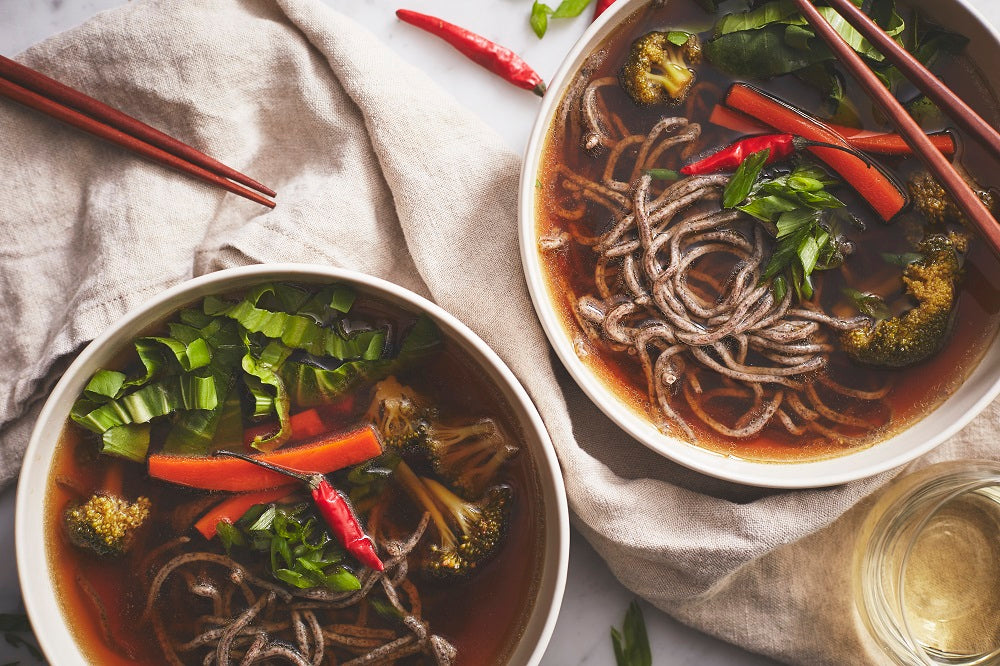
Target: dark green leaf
742,182
868,304
761,54
631,645
768,208
384,608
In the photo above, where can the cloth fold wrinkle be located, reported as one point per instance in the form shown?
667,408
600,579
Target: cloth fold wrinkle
380,171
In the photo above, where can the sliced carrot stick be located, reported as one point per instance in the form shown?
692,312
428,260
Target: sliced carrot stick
303,425
232,509
894,144
723,116
881,143
327,454
876,186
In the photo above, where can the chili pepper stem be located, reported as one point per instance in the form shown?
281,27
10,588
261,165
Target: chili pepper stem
301,476
539,89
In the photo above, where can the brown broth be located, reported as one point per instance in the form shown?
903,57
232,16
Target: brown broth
483,616
569,271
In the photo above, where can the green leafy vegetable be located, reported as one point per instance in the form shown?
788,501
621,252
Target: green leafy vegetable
540,13
302,553
215,355
631,644
772,39
868,304
742,182
795,202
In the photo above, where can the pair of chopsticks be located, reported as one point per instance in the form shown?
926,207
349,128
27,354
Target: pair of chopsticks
34,89
931,86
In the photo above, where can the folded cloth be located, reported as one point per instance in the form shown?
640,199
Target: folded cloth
378,170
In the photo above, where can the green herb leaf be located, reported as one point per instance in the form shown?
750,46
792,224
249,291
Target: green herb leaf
302,552
631,645
570,8
795,203
539,20
868,304
742,182
540,14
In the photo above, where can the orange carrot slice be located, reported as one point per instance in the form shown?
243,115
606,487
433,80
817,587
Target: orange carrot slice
894,144
303,425
230,510
876,186
327,454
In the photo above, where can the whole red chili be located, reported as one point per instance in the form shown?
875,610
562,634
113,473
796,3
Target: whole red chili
334,509
601,6
781,146
730,157
498,59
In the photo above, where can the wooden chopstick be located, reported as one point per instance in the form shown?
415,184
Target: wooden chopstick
914,136
920,76
55,99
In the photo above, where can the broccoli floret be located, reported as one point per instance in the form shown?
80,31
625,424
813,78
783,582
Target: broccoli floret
469,533
657,69
931,199
920,332
105,523
468,455
398,413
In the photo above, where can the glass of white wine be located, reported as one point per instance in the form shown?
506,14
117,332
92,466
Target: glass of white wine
927,566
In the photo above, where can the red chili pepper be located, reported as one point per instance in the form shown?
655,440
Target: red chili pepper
730,157
601,6
781,146
334,508
498,59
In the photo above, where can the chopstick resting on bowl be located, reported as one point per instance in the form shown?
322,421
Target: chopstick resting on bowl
938,164
33,89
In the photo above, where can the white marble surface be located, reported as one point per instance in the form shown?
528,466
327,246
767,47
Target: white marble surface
594,600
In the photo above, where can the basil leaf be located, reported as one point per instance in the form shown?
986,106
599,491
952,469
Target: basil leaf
571,9
761,54
540,18
742,182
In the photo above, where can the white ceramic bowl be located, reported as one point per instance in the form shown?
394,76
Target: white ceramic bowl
979,389
34,567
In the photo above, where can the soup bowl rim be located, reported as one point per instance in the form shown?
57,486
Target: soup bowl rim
53,629
785,474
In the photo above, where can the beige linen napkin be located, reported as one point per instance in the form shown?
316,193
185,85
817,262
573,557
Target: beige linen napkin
378,170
